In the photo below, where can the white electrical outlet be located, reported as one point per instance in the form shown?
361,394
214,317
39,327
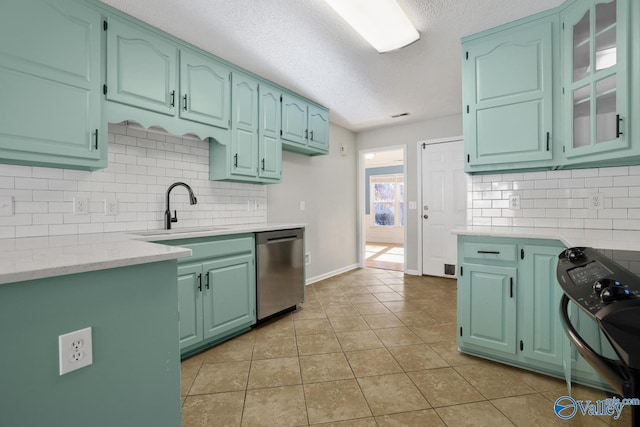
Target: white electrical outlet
302,205
6,206
111,207
307,258
80,206
596,201
514,202
75,350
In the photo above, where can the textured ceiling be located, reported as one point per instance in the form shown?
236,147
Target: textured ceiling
306,47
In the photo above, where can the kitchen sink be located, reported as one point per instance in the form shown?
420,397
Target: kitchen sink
177,231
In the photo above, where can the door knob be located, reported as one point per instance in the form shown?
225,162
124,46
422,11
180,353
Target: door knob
425,216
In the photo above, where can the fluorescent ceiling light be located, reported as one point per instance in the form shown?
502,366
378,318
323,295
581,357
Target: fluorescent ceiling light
381,22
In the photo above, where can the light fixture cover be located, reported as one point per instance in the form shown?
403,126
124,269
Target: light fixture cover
381,22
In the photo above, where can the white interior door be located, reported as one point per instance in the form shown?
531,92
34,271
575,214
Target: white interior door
444,205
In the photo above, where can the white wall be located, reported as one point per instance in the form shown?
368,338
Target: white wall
327,185
141,167
409,135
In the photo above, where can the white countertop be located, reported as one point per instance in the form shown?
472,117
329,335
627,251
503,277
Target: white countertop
628,240
40,257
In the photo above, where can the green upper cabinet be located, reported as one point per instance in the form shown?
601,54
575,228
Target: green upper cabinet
50,81
205,90
560,89
508,98
153,80
318,128
305,127
244,127
294,121
254,153
141,68
595,41
269,142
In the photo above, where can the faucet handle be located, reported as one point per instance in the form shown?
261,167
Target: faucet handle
175,216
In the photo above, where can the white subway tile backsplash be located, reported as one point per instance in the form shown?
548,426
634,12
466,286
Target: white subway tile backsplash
614,171
582,173
142,164
602,181
559,199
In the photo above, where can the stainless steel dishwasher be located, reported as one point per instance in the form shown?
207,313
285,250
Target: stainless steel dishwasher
280,271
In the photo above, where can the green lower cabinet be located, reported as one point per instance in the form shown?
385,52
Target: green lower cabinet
542,332
190,304
508,308
229,295
216,290
487,313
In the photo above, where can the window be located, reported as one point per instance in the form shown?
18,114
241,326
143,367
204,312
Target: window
387,199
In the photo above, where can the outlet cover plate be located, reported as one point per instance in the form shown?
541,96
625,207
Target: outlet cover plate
596,201
514,202
80,206
75,350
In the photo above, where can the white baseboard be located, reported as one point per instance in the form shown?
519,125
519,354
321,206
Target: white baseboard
324,276
412,272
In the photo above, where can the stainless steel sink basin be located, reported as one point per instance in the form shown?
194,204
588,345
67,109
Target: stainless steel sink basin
177,231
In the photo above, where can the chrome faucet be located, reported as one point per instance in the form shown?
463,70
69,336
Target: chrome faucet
168,219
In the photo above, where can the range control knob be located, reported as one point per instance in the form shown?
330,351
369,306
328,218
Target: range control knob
604,283
615,293
575,255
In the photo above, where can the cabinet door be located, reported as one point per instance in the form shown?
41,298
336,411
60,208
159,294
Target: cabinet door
229,294
50,83
487,311
595,77
590,332
270,145
318,128
141,68
508,97
244,117
542,332
190,304
205,90
294,120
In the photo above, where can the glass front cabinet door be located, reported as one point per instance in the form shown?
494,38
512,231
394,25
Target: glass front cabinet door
595,77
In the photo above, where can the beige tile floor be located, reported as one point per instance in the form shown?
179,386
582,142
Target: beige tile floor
368,348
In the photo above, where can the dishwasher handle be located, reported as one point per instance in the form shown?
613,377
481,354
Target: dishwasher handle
282,239
278,236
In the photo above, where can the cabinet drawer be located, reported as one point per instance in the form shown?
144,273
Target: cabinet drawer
490,251
214,247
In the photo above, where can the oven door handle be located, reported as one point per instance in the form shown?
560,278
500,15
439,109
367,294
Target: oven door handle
607,368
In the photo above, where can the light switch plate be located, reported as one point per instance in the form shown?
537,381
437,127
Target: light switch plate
412,205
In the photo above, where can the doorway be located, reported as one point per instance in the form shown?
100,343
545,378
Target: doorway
383,216
443,190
